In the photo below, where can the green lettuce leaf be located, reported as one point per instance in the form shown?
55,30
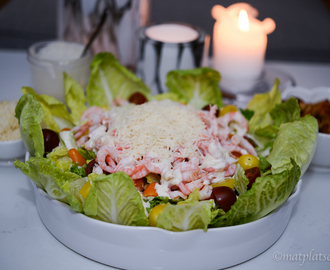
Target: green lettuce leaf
295,140
262,104
75,168
113,198
86,154
282,113
109,80
198,87
240,181
285,112
60,157
53,180
56,116
74,97
191,214
266,194
29,113
171,96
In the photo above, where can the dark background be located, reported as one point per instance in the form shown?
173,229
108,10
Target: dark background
302,26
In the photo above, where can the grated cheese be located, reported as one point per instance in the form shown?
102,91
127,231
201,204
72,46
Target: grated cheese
161,127
9,127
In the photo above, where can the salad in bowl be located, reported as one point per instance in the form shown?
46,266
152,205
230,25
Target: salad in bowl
179,161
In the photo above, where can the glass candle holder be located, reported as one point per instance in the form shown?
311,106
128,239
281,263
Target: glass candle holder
169,46
49,59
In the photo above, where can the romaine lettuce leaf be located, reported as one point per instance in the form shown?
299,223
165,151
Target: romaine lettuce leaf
56,115
191,214
113,198
53,180
74,97
266,194
29,113
109,80
295,140
240,180
198,87
60,157
262,104
285,112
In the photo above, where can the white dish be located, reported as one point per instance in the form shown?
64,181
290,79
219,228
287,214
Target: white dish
320,161
143,248
9,150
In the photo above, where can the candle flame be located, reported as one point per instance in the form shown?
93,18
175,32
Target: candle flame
243,20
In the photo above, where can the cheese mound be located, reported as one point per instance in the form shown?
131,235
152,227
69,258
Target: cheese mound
161,127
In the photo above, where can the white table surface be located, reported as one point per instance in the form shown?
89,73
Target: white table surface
25,243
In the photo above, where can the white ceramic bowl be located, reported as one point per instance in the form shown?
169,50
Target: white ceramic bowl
10,150
154,248
321,160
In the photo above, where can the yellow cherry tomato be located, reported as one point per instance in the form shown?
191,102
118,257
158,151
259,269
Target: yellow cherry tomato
227,109
85,189
248,162
228,182
154,213
76,157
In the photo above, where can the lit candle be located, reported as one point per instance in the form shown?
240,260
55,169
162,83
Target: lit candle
239,46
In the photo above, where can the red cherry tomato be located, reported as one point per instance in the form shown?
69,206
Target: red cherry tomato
224,196
76,157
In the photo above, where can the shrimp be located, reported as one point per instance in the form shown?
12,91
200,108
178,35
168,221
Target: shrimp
205,192
135,172
103,156
234,117
79,131
93,114
140,172
177,194
194,184
189,176
230,171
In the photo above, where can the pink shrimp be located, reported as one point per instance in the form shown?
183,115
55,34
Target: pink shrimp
248,146
236,117
194,184
152,167
140,173
82,140
103,156
135,172
79,131
243,143
94,114
177,194
230,147
189,176
230,171
205,192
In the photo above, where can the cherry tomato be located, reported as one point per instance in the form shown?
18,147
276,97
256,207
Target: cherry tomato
150,190
154,213
227,109
252,175
224,196
65,129
248,162
85,189
51,140
89,167
76,157
228,182
139,183
137,98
